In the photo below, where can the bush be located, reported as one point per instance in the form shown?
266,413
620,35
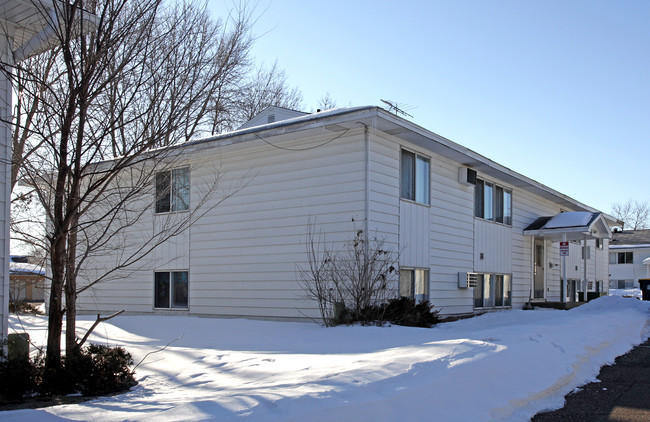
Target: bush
96,370
19,307
18,377
401,311
100,370
405,311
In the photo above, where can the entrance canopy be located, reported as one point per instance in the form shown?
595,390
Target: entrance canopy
32,23
576,225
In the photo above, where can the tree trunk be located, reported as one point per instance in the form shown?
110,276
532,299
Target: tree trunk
71,344
55,314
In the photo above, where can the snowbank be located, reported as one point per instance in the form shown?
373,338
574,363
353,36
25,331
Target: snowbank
500,366
636,293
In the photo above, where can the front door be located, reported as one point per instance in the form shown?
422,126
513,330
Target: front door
538,269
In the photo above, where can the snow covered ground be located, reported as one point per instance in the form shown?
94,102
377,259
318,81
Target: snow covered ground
637,293
500,366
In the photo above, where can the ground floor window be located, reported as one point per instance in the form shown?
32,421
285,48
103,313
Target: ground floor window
171,289
414,283
493,291
621,284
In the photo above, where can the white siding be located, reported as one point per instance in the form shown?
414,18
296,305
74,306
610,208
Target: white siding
242,255
445,244
414,235
527,207
493,247
635,271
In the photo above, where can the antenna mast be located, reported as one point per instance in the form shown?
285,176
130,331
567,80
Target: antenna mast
394,108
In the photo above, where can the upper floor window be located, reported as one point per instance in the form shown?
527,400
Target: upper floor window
621,258
173,190
492,202
415,177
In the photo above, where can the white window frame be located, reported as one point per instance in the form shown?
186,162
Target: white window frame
615,257
419,174
492,202
488,296
174,201
172,292
415,285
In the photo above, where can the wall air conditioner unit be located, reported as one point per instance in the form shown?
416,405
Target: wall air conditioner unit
466,280
467,176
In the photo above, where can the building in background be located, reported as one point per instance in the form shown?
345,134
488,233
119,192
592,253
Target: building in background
629,258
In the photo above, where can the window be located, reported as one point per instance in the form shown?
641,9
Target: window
621,284
621,257
414,177
173,190
492,202
414,284
599,243
492,291
171,289
586,249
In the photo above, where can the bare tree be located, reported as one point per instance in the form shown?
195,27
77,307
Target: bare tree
634,214
93,116
361,275
267,86
326,102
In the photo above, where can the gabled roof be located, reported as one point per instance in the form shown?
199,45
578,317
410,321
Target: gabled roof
570,226
272,114
342,119
630,238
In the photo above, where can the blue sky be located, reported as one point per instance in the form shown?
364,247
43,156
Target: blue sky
556,90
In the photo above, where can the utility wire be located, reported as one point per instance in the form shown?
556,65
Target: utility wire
305,148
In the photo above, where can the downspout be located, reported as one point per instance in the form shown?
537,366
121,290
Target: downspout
563,286
366,139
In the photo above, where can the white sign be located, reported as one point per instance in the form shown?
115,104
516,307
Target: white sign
564,248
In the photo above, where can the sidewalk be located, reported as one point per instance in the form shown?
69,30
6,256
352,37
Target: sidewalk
622,395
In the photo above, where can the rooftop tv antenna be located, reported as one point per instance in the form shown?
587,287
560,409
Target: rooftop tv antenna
393,107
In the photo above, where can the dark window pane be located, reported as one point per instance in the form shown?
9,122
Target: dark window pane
161,290
478,199
180,290
498,290
498,204
163,194
408,175
478,292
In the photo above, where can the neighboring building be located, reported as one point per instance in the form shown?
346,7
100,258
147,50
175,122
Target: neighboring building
472,235
629,258
27,279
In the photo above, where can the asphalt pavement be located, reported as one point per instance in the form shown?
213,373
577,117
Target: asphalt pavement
623,393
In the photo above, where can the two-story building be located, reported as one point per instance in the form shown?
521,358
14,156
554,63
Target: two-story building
470,234
629,258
